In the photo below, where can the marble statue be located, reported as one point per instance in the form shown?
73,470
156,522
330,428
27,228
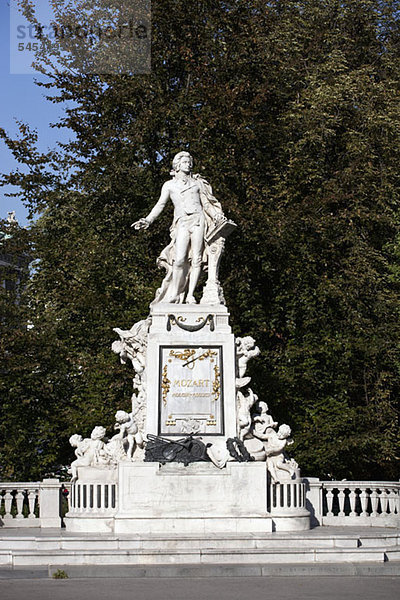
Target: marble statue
139,401
89,452
245,350
129,431
262,421
244,405
198,231
132,347
132,344
275,443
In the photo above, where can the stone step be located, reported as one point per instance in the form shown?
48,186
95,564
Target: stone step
81,556
134,543
387,569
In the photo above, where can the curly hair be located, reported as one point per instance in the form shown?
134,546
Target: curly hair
177,161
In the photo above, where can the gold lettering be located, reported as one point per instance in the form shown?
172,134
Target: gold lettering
191,383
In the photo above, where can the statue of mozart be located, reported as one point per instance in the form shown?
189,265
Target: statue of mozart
197,225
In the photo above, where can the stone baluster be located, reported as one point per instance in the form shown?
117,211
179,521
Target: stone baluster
393,502
8,498
72,499
293,495
384,501
364,496
102,497
20,503
396,494
284,487
374,503
352,501
341,500
329,502
31,503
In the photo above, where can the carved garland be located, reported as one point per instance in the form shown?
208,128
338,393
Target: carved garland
172,320
165,385
216,383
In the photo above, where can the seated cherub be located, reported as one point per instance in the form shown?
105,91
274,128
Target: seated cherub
89,451
263,422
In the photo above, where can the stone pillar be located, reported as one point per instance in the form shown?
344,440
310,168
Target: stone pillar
314,500
49,503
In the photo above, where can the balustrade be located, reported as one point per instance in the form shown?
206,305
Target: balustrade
37,504
93,498
286,496
351,502
19,504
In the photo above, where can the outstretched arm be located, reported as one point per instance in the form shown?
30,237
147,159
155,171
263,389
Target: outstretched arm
157,209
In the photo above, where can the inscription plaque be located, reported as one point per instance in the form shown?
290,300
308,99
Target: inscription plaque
191,390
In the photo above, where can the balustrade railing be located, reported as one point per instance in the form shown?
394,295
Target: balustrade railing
30,504
375,503
19,504
42,504
93,498
286,496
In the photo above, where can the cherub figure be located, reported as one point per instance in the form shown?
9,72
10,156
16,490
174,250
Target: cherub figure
246,349
243,415
139,401
128,430
263,422
89,452
132,344
278,467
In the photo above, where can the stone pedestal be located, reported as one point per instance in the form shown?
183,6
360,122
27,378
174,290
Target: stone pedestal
199,498
49,502
190,372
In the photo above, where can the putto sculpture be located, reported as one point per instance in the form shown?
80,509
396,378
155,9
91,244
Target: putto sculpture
198,231
129,431
89,452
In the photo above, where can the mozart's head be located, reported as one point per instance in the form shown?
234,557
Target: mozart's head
182,157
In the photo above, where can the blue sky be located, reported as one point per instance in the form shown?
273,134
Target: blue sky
21,99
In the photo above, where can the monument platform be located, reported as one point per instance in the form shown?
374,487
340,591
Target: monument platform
224,554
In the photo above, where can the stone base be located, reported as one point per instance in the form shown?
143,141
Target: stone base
297,522
76,523
200,526
150,498
199,498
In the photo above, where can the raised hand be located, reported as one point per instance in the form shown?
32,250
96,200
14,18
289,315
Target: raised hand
141,224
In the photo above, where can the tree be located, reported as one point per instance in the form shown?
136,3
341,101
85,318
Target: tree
290,109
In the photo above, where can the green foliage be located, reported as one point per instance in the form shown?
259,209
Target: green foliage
60,574
291,111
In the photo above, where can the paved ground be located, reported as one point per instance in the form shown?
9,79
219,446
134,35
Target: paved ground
224,588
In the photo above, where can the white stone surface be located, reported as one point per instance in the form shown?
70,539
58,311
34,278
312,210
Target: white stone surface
216,336
199,497
49,501
198,231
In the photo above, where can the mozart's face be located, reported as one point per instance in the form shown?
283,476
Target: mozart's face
184,164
